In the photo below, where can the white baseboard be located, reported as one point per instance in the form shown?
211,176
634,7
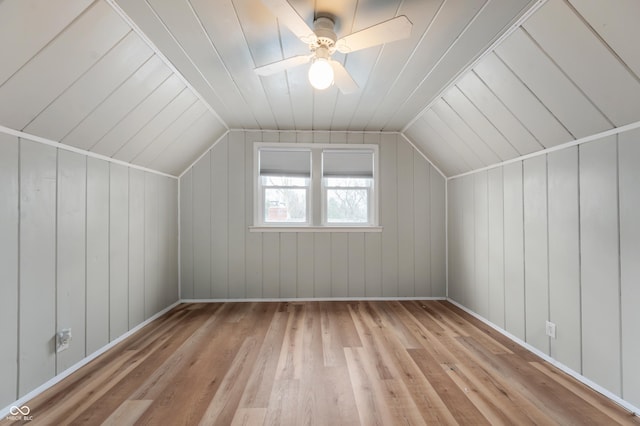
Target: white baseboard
311,299
615,398
4,412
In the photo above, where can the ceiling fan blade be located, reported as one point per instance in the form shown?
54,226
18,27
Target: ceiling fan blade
276,67
384,32
343,79
289,17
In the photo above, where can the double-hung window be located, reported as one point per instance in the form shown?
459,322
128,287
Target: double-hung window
284,181
315,186
348,186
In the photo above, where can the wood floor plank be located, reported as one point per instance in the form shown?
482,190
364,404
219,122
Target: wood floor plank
425,399
604,405
320,363
127,413
368,389
261,381
249,417
222,408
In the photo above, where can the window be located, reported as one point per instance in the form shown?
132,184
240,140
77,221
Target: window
347,183
315,186
285,175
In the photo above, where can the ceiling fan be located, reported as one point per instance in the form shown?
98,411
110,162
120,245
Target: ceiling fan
323,42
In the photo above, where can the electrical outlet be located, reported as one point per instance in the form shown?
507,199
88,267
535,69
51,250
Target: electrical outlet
550,329
63,339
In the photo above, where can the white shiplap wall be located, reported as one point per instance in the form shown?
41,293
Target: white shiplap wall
564,244
85,243
221,259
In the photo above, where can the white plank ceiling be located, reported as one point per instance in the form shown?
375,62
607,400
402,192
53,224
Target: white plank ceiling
74,71
571,70
156,82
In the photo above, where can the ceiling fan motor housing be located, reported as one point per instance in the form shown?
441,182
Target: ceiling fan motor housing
323,28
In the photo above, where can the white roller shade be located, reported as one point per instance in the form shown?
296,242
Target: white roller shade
283,162
347,163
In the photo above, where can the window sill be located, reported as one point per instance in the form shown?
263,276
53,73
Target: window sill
315,229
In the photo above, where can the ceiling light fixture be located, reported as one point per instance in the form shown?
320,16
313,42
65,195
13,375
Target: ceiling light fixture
323,42
321,71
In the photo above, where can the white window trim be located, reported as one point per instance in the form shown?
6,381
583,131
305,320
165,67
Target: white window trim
316,213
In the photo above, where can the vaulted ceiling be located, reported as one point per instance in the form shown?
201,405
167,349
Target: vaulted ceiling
156,82
571,70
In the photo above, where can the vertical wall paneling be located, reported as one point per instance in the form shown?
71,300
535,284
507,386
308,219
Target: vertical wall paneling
421,226
437,233
339,264
514,251
136,247
389,214
481,243
322,265
535,250
564,256
271,265
234,261
9,193
468,242
219,219
405,188
600,263
97,254
306,259
73,255
629,158
373,265
563,246
253,240
118,251
454,232
288,264
496,246
186,236
151,263
236,214
202,227
171,238
37,256
71,266
167,218
356,264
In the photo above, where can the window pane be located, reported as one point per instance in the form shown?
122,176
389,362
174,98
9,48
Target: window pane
347,206
285,205
348,182
284,181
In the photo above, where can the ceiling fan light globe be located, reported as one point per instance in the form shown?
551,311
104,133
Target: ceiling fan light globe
321,74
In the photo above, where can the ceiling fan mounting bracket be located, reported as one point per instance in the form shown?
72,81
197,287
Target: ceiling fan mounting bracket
325,34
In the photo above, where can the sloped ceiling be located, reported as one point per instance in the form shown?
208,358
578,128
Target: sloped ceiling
217,44
156,82
571,70
74,71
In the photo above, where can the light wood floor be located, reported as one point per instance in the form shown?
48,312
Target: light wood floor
324,363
